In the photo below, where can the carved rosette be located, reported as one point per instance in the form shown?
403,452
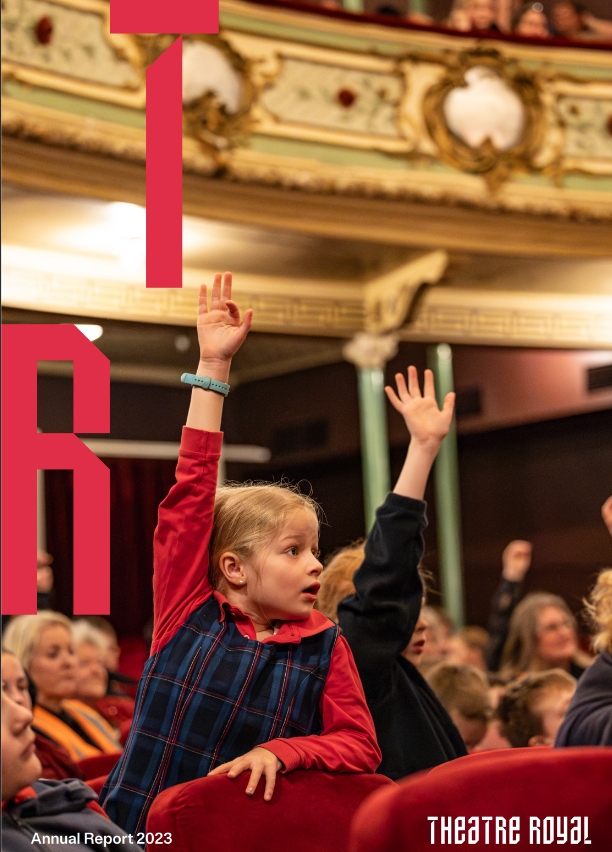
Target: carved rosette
479,142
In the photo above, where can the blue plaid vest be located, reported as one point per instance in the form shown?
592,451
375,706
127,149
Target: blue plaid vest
210,695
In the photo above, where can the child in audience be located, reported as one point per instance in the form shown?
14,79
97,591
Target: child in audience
532,709
243,674
382,615
468,645
464,692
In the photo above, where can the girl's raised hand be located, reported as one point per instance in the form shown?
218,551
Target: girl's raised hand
220,331
261,762
426,423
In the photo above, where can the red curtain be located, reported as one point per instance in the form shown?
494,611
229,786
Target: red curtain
137,488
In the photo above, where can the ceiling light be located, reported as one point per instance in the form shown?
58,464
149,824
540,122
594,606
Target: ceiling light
127,220
91,332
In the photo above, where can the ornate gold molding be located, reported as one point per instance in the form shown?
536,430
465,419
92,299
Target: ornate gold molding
493,164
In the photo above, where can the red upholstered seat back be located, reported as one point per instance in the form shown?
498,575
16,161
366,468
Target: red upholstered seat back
96,784
99,764
523,783
310,811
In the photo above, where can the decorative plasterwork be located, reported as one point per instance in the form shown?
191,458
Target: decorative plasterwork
83,59
376,90
444,313
511,319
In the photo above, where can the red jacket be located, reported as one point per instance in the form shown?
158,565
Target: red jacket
180,584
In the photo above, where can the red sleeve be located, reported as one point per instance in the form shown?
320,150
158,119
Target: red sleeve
180,545
348,740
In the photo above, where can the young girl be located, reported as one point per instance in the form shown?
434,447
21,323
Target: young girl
243,674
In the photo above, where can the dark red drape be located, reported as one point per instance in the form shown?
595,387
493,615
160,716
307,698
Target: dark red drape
137,488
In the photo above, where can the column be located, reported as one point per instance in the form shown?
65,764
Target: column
369,353
446,478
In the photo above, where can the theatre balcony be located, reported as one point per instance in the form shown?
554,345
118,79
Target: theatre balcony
473,170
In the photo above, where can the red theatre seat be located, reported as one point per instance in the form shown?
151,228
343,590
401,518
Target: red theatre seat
310,811
96,784
553,797
100,764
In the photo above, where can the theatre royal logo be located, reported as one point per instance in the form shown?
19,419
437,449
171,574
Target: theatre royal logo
499,830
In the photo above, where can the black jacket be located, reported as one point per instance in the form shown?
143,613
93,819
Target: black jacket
414,730
588,720
60,810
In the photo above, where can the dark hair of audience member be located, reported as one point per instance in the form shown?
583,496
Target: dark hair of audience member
520,709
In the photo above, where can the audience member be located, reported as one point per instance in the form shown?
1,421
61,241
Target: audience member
589,718
532,708
473,15
572,21
468,646
493,739
382,616
516,561
118,682
92,676
543,636
464,692
43,645
55,760
33,808
531,21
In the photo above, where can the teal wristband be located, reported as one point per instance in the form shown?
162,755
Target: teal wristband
206,383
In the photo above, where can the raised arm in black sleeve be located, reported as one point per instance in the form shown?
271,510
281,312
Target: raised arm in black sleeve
414,731
379,619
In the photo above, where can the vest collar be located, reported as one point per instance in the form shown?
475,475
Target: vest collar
290,632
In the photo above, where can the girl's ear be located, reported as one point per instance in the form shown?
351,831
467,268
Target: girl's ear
231,567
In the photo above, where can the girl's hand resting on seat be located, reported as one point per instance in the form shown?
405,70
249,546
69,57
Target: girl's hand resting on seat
261,762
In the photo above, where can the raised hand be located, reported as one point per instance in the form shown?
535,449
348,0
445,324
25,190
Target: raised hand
261,762
427,424
220,331
516,560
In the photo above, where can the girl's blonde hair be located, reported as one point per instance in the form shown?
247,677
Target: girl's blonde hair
247,517
337,579
599,607
22,633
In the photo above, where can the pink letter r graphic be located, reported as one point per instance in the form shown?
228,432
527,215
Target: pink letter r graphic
24,451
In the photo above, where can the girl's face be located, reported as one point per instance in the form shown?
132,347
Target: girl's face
91,675
284,581
556,638
15,682
53,666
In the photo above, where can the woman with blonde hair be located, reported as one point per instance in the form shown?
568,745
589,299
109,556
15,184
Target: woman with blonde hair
543,636
43,644
588,720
